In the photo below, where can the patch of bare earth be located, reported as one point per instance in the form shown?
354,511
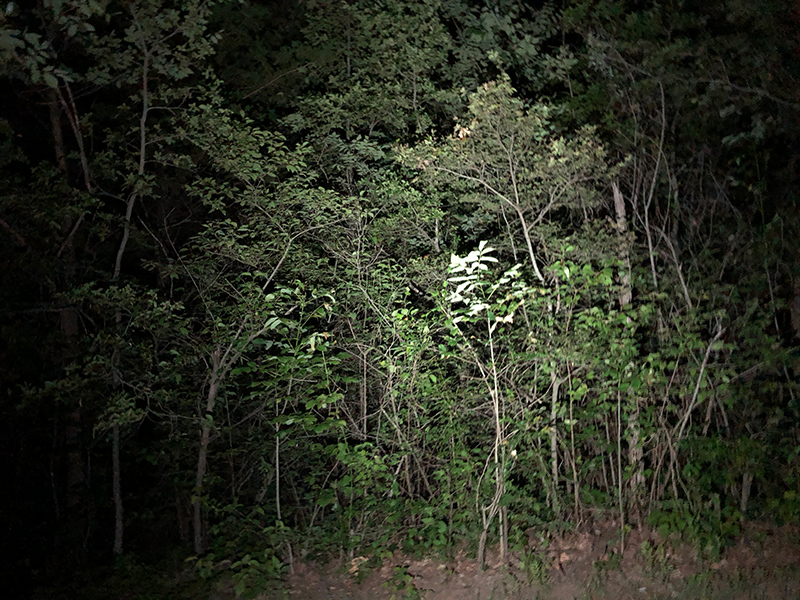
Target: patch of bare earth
763,564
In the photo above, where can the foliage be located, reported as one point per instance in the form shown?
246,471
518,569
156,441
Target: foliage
402,276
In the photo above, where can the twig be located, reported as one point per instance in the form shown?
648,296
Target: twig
12,231
693,403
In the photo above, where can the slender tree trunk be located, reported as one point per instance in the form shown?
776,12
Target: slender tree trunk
116,476
117,490
58,134
556,383
625,293
76,484
489,512
76,513
635,449
71,111
182,516
747,480
363,393
126,232
202,455
636,462
575,479
620,496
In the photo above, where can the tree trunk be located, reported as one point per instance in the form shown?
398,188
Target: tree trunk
76,522
556,383
747,481
58,134
202,455
636,462
117,490
625,293
635,449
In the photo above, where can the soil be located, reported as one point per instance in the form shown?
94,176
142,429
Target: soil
763,564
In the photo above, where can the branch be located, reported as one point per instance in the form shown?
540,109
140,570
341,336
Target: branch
12,231
513,205
273,80
71,234
693,403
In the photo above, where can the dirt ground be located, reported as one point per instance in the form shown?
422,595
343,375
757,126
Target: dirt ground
763,564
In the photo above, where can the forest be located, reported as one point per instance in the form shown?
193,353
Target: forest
284,282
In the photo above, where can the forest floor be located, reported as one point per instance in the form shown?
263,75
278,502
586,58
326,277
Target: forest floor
764,563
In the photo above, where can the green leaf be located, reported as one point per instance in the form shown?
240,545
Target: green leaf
326,498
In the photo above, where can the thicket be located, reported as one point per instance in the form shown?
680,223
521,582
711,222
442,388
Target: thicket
290,280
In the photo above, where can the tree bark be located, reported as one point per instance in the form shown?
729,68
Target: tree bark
76,514
117,490
202,454
556,383
115,441
76,485
634,435
58,134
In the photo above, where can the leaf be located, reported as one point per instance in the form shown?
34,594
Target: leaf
50,79
272,323
326,498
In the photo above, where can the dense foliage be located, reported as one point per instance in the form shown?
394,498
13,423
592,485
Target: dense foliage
334,278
